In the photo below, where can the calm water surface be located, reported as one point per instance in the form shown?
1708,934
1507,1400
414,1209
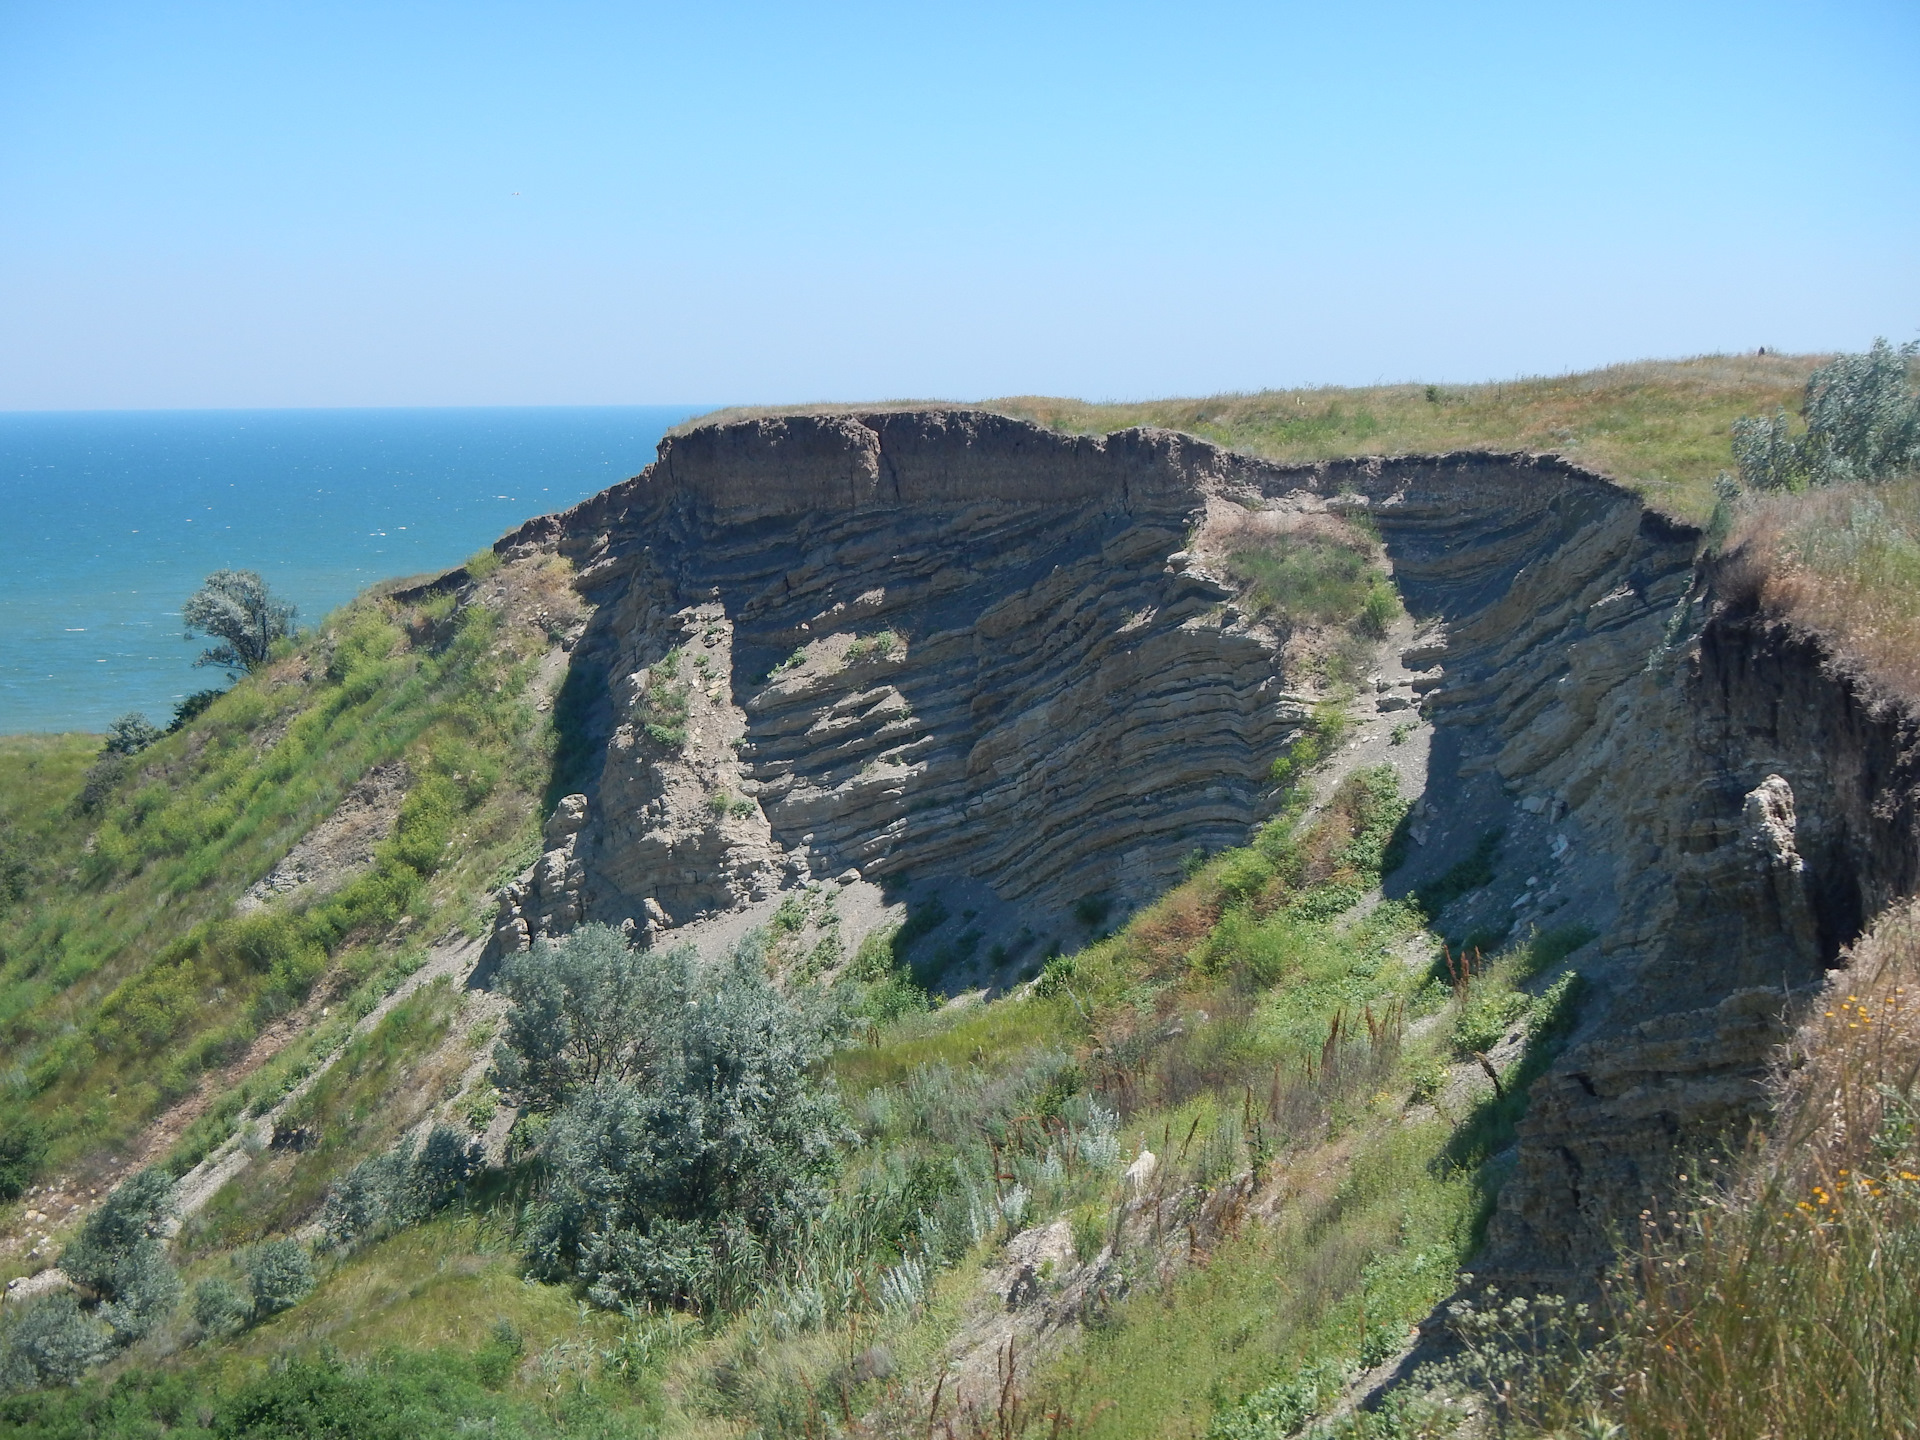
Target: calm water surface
110,520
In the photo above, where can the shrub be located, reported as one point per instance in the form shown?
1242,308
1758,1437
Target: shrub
188,709
1488,1014
1863,424
1321,736
662,710
674,1178
366,1201
1282,1408
120,1256
1055,976
23,1145
1092,910
135,1212
585,1012
874,959
1378,611
49,1342
102,779
279,1275
145,1289
219,1308
130,734
439,1174
399,1188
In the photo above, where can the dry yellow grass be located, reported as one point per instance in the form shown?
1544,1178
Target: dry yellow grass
1660,426
1844,561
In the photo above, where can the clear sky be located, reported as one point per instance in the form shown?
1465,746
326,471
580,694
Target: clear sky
265,203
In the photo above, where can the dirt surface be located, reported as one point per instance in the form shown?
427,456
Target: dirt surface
340,846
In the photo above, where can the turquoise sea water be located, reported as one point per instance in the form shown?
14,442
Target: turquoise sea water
110,520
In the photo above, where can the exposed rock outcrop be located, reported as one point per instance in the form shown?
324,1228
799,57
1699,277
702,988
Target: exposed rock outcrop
1703,788
944,645
953,647
340,846
545,901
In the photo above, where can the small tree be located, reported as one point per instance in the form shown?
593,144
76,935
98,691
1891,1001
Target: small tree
236,608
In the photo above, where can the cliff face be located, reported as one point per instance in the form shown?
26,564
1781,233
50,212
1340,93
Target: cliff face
928,644
1703,788
954,647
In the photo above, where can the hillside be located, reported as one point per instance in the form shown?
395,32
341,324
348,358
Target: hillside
1032,930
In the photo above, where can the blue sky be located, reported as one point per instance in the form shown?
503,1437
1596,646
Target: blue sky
271,204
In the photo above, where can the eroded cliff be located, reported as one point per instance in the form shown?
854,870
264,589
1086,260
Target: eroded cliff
953,650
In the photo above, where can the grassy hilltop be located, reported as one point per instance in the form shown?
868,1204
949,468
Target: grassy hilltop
1659,426
1308,1064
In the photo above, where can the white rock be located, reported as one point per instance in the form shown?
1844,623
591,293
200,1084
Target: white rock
1141,1171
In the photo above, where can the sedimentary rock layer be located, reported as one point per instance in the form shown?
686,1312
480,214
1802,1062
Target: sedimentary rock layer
949,644
937,643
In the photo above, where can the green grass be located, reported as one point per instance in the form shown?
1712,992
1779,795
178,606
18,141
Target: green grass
1844,560
1249,1021
125,977
1340,1275
357,1108
1304,577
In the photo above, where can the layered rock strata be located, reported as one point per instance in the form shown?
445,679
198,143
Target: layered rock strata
950,646
932,644
1703,789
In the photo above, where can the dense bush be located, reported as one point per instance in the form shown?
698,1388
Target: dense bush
401,1187
192,706
586,1012
279,1275
401,1395
131,734
127,1286
1863,423
691,1143
50,1342
23,1144
220,1307
120,1255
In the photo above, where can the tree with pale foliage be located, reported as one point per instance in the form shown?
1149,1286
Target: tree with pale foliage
1863,424
236,608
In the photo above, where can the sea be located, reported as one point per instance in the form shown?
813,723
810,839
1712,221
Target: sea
110,520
